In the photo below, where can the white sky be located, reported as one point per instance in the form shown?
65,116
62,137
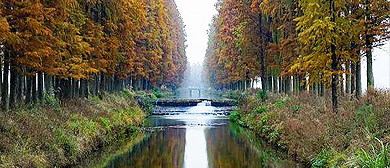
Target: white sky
197,15
381,68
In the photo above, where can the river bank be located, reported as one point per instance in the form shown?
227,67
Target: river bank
306,128
57,133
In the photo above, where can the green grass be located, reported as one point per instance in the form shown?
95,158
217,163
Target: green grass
373,157
54,134
234,116
260,109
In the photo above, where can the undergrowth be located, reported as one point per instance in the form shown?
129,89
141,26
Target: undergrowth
58,133
305,126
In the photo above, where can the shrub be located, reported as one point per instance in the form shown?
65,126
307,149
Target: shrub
158,94
127,93
367,117
374,158
260,109
68,144
259,94
234,116
322,159
106,124
83,126
295,108
52,101
279,104
232,95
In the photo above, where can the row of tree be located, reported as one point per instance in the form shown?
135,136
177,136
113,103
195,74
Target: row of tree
73,48
296,45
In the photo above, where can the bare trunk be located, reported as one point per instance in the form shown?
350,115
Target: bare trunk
13,84
353,78
40,85
28,89
348,78
4,92
358,78
334,63
49,84
82,88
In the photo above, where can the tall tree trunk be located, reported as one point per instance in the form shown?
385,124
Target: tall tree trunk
48,84
275,81
370,74
102,82
4,92
133,83
348,78
95,85
302,84
334,62
109,84
88,85
116,83
82,88
288,85
295,84
34,88
13,84
28,89
145,84
262,63
358,78
40,85
58,87
21,80
66,88
71,88
1,74
353,76
341,80
368,43
270,85
334,80
280,84
75,86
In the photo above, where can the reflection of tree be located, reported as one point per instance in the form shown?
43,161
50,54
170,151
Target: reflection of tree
229,151
235,147
161,150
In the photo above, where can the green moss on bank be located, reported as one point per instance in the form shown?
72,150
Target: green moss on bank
307,129
61,133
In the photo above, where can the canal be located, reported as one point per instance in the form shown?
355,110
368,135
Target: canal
191,140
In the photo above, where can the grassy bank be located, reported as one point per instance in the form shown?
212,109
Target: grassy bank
57,133
306,128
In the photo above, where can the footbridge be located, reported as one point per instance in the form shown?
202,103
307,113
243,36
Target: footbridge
194,102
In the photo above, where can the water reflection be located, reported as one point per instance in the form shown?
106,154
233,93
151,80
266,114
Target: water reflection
198,141
159,150
195,151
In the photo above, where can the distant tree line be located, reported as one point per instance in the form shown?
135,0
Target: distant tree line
74,48
296,45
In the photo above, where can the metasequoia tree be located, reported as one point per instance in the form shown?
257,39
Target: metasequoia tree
313,42
73,48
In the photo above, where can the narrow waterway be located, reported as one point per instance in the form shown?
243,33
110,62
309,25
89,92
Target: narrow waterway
198,141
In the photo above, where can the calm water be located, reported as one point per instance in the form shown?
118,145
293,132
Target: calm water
198,141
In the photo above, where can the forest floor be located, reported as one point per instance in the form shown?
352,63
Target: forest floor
307,129
62,133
